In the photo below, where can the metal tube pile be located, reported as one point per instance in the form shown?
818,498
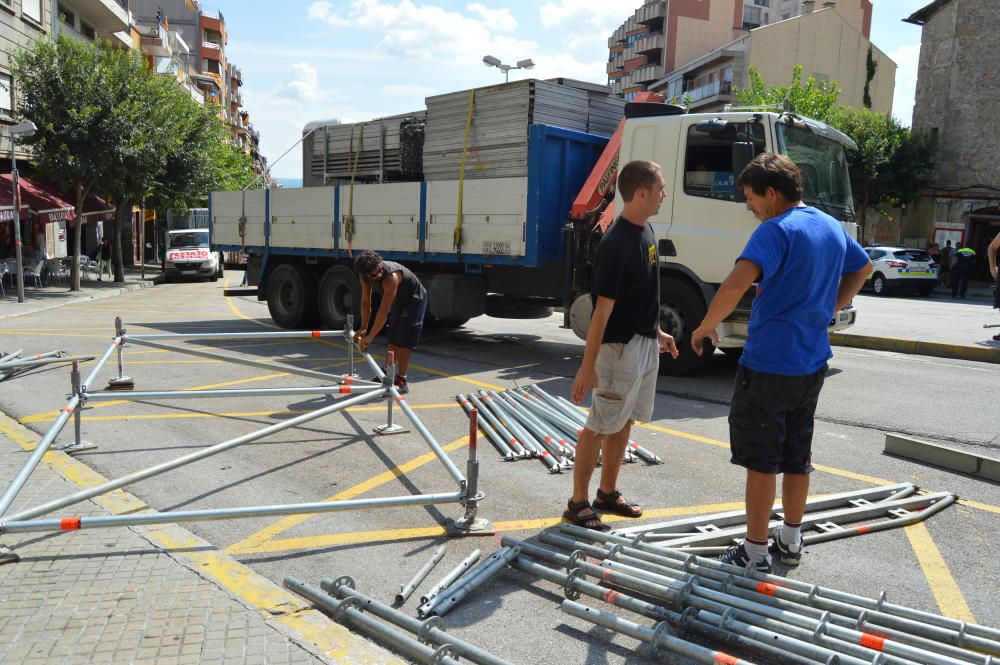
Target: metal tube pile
781,619
528,422
423,641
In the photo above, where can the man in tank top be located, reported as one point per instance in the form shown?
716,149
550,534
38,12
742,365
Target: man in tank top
403,296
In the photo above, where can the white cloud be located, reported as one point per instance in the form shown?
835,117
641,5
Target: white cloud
594,14
498,19
428,32
406,90
906,58
302,84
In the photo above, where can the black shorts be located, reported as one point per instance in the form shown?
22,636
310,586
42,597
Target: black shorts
771,420
406,322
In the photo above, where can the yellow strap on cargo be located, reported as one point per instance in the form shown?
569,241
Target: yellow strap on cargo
457,235
349,218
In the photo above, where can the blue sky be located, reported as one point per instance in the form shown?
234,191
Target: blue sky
305,60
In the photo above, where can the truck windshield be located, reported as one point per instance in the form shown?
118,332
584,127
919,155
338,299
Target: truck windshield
189,239
826,183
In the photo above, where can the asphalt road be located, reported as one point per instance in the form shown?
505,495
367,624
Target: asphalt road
867,394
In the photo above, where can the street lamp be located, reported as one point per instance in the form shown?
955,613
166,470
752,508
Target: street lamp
490,61
24,129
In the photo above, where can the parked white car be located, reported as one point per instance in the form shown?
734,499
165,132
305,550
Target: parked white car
901,267
189,255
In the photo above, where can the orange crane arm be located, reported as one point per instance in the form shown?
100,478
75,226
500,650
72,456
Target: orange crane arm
602,177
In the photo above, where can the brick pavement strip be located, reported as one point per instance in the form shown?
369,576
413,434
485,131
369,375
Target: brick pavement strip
144,594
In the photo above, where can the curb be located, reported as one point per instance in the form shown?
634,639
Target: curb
917,347
942,456
287,613
100,295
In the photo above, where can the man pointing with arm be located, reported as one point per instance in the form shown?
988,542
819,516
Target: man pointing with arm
807,268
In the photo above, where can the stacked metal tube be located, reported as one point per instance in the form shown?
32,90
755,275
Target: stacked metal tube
13,364
528,422
423,641
764,614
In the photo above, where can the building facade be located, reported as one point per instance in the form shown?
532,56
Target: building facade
93,20
826,45
22,22
692,46
957,80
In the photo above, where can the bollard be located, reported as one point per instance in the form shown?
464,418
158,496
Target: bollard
406,589
469,524
120,382
390,380
81,394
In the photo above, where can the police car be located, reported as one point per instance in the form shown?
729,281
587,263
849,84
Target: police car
189,255
901,267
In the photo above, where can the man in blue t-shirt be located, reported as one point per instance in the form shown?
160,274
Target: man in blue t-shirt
806,268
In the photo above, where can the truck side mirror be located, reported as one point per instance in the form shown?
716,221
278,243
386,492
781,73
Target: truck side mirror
743,154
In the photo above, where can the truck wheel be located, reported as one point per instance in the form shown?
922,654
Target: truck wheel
291,295
339,295
681,310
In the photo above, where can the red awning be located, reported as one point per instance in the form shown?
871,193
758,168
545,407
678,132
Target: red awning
7,202
95,209
41,198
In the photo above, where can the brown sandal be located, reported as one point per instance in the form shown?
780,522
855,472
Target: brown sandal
614,502
579,513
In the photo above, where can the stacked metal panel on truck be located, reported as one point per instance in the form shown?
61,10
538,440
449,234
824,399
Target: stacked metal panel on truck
603,110
498,138
371,150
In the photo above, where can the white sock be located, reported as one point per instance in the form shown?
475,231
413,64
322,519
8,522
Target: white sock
756,551
790,534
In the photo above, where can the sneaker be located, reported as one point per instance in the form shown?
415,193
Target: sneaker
737,556
789,554
401,385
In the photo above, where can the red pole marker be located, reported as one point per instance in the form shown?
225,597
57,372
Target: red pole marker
473,428
69,523
316,333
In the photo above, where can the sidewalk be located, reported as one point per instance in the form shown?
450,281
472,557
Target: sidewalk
938,326
58,294
144,595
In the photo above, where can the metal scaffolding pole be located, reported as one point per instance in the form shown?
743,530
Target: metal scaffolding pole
158,469
427,631
406,589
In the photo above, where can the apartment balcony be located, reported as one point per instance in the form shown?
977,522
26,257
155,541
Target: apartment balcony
105,16
212,51
215,22
647,74
236,74
654,41
709,90
154,41
652,12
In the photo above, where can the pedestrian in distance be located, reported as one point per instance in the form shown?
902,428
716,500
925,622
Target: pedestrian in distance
403,304
105,262
962,263
945,268
806,267
621,357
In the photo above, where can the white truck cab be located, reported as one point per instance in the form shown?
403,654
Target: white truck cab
703,224
189,256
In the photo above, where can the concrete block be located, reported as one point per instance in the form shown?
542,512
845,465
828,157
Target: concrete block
943,456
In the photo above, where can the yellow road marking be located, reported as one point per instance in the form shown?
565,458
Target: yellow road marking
270,600
282,525
981,506
949,597
683,435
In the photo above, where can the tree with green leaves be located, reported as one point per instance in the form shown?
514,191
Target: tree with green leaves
891,165
71,90
813,99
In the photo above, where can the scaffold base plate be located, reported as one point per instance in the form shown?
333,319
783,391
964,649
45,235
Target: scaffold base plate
121,383
70,448
477,527
385,430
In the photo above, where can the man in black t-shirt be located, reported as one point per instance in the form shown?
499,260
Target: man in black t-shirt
403,295
621,358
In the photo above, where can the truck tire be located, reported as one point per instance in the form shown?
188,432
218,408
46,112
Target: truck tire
339,295
291,296
681,310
